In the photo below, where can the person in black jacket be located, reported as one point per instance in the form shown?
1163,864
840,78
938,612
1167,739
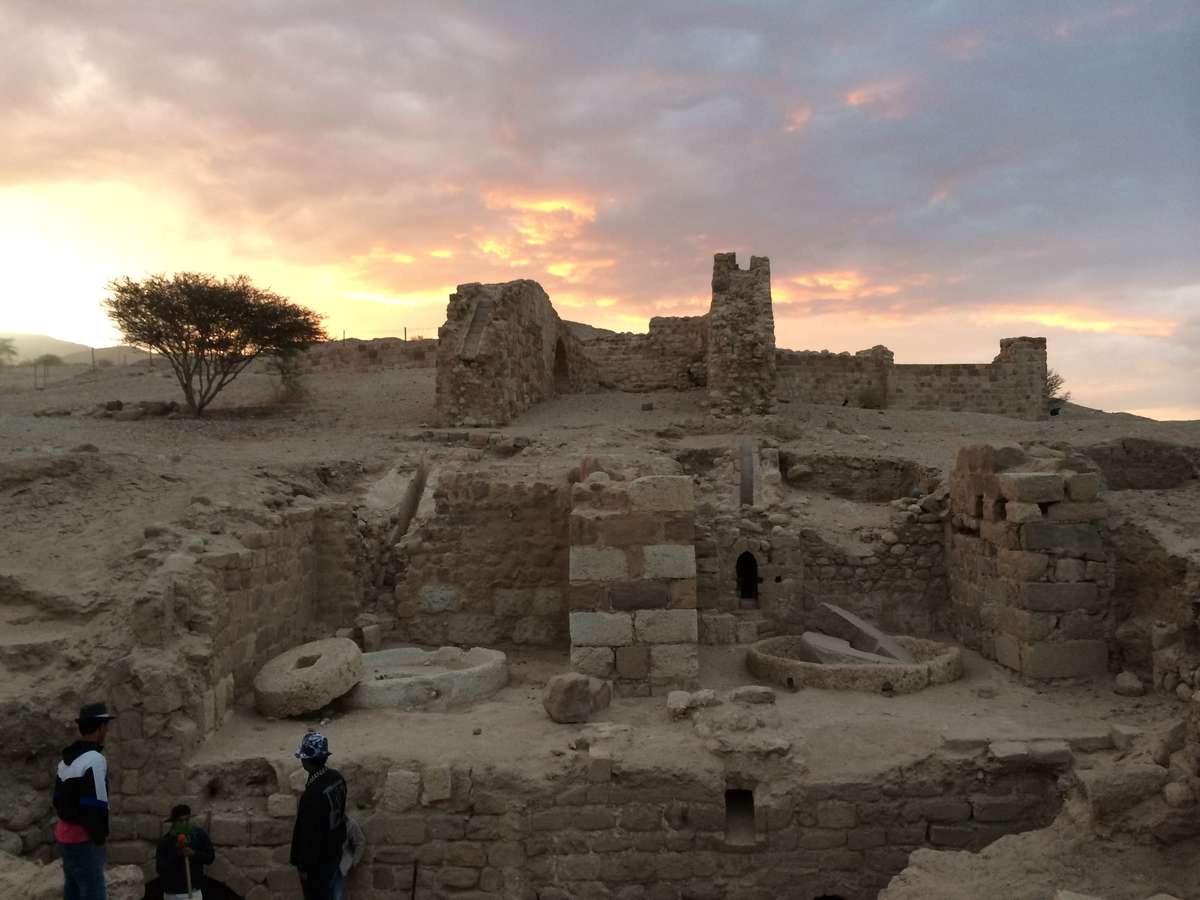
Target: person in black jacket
183,844
81,804
320,830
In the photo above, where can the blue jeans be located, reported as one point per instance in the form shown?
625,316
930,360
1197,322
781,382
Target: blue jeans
338,890
83,871
319,884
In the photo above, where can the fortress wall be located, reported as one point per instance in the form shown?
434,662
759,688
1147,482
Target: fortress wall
834,378
669,357
381,353
1013,384
487,563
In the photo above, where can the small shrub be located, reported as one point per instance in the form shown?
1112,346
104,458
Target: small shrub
291,383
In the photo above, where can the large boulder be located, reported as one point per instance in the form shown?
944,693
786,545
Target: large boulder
572,697
308,677
24,879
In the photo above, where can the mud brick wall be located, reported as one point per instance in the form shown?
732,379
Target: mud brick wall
1030,578
1013,384
485,560
606,827
835,378
669,357
741,337
502,349
633,582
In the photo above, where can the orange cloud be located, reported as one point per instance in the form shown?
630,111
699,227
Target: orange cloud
1081,318
887,98
962,47
580,269
798,118
442,254
543,220
846,284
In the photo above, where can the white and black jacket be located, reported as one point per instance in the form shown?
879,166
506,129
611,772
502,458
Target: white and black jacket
81,789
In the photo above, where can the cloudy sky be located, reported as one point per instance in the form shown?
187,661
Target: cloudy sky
928,175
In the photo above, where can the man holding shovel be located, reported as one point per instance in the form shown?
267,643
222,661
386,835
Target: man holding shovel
183,852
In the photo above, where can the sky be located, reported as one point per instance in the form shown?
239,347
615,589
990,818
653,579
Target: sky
932,176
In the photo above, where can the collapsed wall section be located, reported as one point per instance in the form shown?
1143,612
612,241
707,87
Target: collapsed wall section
1030,579
502,349
633,582
741,337
485,560
670,356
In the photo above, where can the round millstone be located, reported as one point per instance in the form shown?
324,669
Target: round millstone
308,677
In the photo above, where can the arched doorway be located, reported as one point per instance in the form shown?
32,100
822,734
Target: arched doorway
562,373
746,570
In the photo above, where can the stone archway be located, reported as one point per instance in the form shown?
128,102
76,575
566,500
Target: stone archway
562,369
746,571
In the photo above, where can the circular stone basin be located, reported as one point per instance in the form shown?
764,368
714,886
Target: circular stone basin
412,678
777,659
307,677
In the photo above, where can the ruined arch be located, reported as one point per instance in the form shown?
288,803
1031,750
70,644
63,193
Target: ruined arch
746,571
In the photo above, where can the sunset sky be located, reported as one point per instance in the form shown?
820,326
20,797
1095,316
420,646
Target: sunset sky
932,176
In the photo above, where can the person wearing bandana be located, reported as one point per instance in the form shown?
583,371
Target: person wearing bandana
319,835
184,845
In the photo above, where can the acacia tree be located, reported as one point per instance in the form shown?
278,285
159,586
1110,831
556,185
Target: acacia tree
6,350
208,329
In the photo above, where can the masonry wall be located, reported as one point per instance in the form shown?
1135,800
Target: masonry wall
835,378
741,337
669,357
502,349
1030,579
1013,384
485,560
608,828
633,582
357,355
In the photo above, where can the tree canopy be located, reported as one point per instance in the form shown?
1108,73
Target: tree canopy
6,350
48,359
209,329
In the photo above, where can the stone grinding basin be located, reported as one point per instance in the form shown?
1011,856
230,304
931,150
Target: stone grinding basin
411,678
776,660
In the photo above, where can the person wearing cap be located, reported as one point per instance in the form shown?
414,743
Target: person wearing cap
319,835
184,844
81,804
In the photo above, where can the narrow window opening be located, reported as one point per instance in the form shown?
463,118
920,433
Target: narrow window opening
746,570
739,816
999,510
978,512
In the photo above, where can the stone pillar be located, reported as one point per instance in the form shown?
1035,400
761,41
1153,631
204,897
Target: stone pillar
741,337
1022,361
633,583
1029,573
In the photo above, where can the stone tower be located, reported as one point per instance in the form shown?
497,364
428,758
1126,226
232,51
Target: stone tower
741,337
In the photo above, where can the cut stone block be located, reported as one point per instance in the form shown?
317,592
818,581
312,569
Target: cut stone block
1051,752
674,664
598,564
437,598
678,704
868,638
1031,487
821,648
633,662
1068,539
1063,596
595,661
661,492
401,790
669,561
1083,487
1022,512
666,626
639,595
1064,659
437,784
601,629
752,693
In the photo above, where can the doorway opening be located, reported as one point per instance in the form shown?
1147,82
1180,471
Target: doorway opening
562,373
748,581
739,817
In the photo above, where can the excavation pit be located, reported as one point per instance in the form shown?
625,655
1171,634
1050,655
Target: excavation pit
780,661
410,678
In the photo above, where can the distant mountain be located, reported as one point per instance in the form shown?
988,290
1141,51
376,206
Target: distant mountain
30,346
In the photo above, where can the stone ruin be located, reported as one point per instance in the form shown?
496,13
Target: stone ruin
999,658
504,348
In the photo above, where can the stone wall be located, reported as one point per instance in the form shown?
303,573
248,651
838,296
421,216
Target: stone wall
485,560
669,357
1013,384
502,349
606,827
835,378
633,582
741,337
357,355
1030,576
